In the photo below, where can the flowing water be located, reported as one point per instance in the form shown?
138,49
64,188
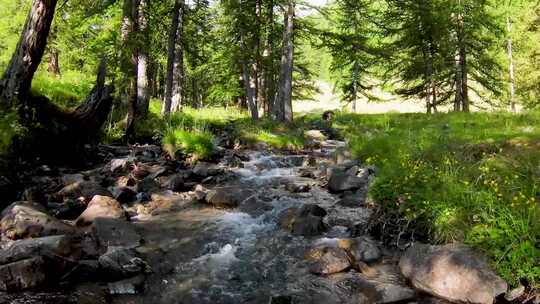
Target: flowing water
205,255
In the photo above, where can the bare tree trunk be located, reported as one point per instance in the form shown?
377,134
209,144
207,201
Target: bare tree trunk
53,66
430,89
175,37
129,26
249,91
258,67
17,78
462,87
143,90
269,62
512,82
356,70
458,101
178,69
283,100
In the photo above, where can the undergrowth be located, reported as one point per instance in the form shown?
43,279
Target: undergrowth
472,178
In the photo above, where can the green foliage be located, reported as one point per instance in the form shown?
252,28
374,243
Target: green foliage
9,129
457,177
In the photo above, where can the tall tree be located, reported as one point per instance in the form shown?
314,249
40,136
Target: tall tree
129,66
17,78
175,61
283,101
350,41
143,90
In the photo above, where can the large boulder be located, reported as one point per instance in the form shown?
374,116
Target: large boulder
101,207
306,221
115,232
204,170
27,220
51,246
23,274
228,197
328,260
341,181
119,263
31,263
452,272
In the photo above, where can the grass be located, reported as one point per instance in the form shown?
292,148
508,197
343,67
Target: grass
67,91
458,177
194,131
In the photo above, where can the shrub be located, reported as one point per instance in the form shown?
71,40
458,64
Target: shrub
458,177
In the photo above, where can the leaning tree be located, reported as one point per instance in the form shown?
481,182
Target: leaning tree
81,123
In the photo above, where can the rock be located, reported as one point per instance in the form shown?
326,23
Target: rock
23,220
307,221
129,286
351,201
311,209
23,274
125,181
34,194
281,300
124,195
148,185
85,190
515,293
308,226
177,182
254,207
452,272
119,263
116,233
315,134
343,181
200,193
68,179
69,210
306,172
298,188
328,260
118,165
394,293
101,206
362,249
227,197
51,246
204,170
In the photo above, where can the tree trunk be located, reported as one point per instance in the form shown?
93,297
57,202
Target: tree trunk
17,79
53,66
143,90
258,68
175,62
166,110
283,101
356,70
178,63
249,90
462,88
269,62
512,80
129,26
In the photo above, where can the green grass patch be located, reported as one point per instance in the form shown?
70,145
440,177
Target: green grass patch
67,91
458,177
